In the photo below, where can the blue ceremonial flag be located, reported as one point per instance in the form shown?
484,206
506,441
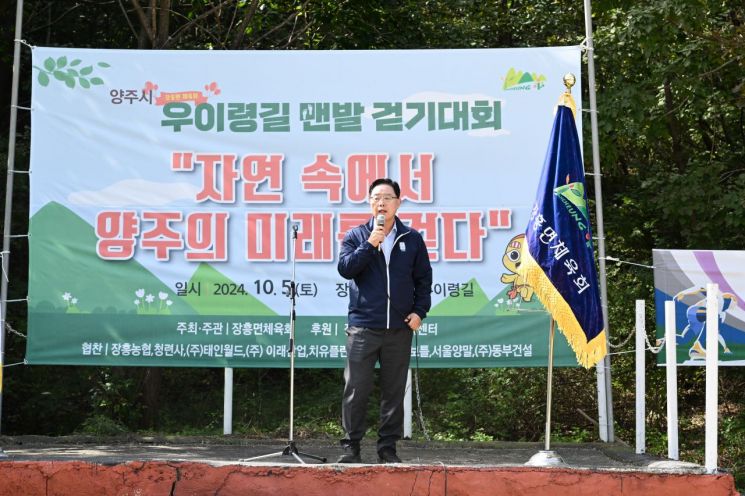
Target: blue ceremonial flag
557,260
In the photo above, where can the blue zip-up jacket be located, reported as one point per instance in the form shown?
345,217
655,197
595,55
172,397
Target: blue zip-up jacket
382,295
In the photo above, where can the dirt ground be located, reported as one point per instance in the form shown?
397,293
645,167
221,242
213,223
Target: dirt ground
232,449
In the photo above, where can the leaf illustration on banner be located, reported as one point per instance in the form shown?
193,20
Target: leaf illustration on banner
60,71
43,78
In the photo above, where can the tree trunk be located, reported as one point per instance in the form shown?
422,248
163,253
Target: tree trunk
673,127
152,383
161,29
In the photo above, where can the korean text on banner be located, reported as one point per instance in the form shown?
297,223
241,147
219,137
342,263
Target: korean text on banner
165,185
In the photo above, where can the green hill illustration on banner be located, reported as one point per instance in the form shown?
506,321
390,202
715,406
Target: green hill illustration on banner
479,304
209,303
461,305
502,305
67,276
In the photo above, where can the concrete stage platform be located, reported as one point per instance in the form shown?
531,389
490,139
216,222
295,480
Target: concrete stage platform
143,466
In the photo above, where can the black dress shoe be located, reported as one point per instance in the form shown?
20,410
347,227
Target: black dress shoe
351,455
388,455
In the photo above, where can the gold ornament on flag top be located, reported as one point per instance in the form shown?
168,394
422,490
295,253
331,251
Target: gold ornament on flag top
566,98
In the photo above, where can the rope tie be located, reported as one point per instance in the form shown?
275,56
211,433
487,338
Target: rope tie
24,42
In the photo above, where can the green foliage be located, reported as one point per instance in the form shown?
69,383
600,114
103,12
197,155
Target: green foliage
99,425
732,433
673,135
670,96
469,404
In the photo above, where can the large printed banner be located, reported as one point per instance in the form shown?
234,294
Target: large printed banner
165,187
682,276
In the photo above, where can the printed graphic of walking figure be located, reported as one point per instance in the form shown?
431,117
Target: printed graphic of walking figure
696,316
511,260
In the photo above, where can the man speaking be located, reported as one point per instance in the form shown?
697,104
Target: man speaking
389,296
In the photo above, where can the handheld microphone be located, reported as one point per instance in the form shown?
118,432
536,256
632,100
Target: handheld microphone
380,221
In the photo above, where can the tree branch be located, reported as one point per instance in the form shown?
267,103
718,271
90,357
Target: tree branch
674,128
131,26
241,33
281,24
177,34
143,21
153,20
53,22
231,24
722,66
305,27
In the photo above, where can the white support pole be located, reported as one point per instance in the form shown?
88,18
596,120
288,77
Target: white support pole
641,383
407,407
602,402
671,364
712,377
227,405
605,390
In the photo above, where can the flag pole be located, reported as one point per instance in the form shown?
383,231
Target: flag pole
547,457
605,389
549,382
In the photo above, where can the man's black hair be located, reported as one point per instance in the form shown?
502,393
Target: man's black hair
385,180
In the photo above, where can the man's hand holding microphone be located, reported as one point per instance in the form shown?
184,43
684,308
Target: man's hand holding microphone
377,236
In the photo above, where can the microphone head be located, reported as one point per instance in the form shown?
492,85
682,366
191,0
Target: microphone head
380,220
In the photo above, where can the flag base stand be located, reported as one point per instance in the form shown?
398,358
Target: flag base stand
546,458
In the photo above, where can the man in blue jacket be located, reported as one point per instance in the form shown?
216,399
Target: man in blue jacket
391,282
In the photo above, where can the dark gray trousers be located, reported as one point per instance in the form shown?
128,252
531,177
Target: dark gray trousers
365,347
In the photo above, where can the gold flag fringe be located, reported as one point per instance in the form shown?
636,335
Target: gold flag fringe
588,353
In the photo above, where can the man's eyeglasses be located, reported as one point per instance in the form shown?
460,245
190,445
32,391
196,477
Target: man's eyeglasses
384,199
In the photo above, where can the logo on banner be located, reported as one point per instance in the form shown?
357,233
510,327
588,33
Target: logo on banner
572,196
523,81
